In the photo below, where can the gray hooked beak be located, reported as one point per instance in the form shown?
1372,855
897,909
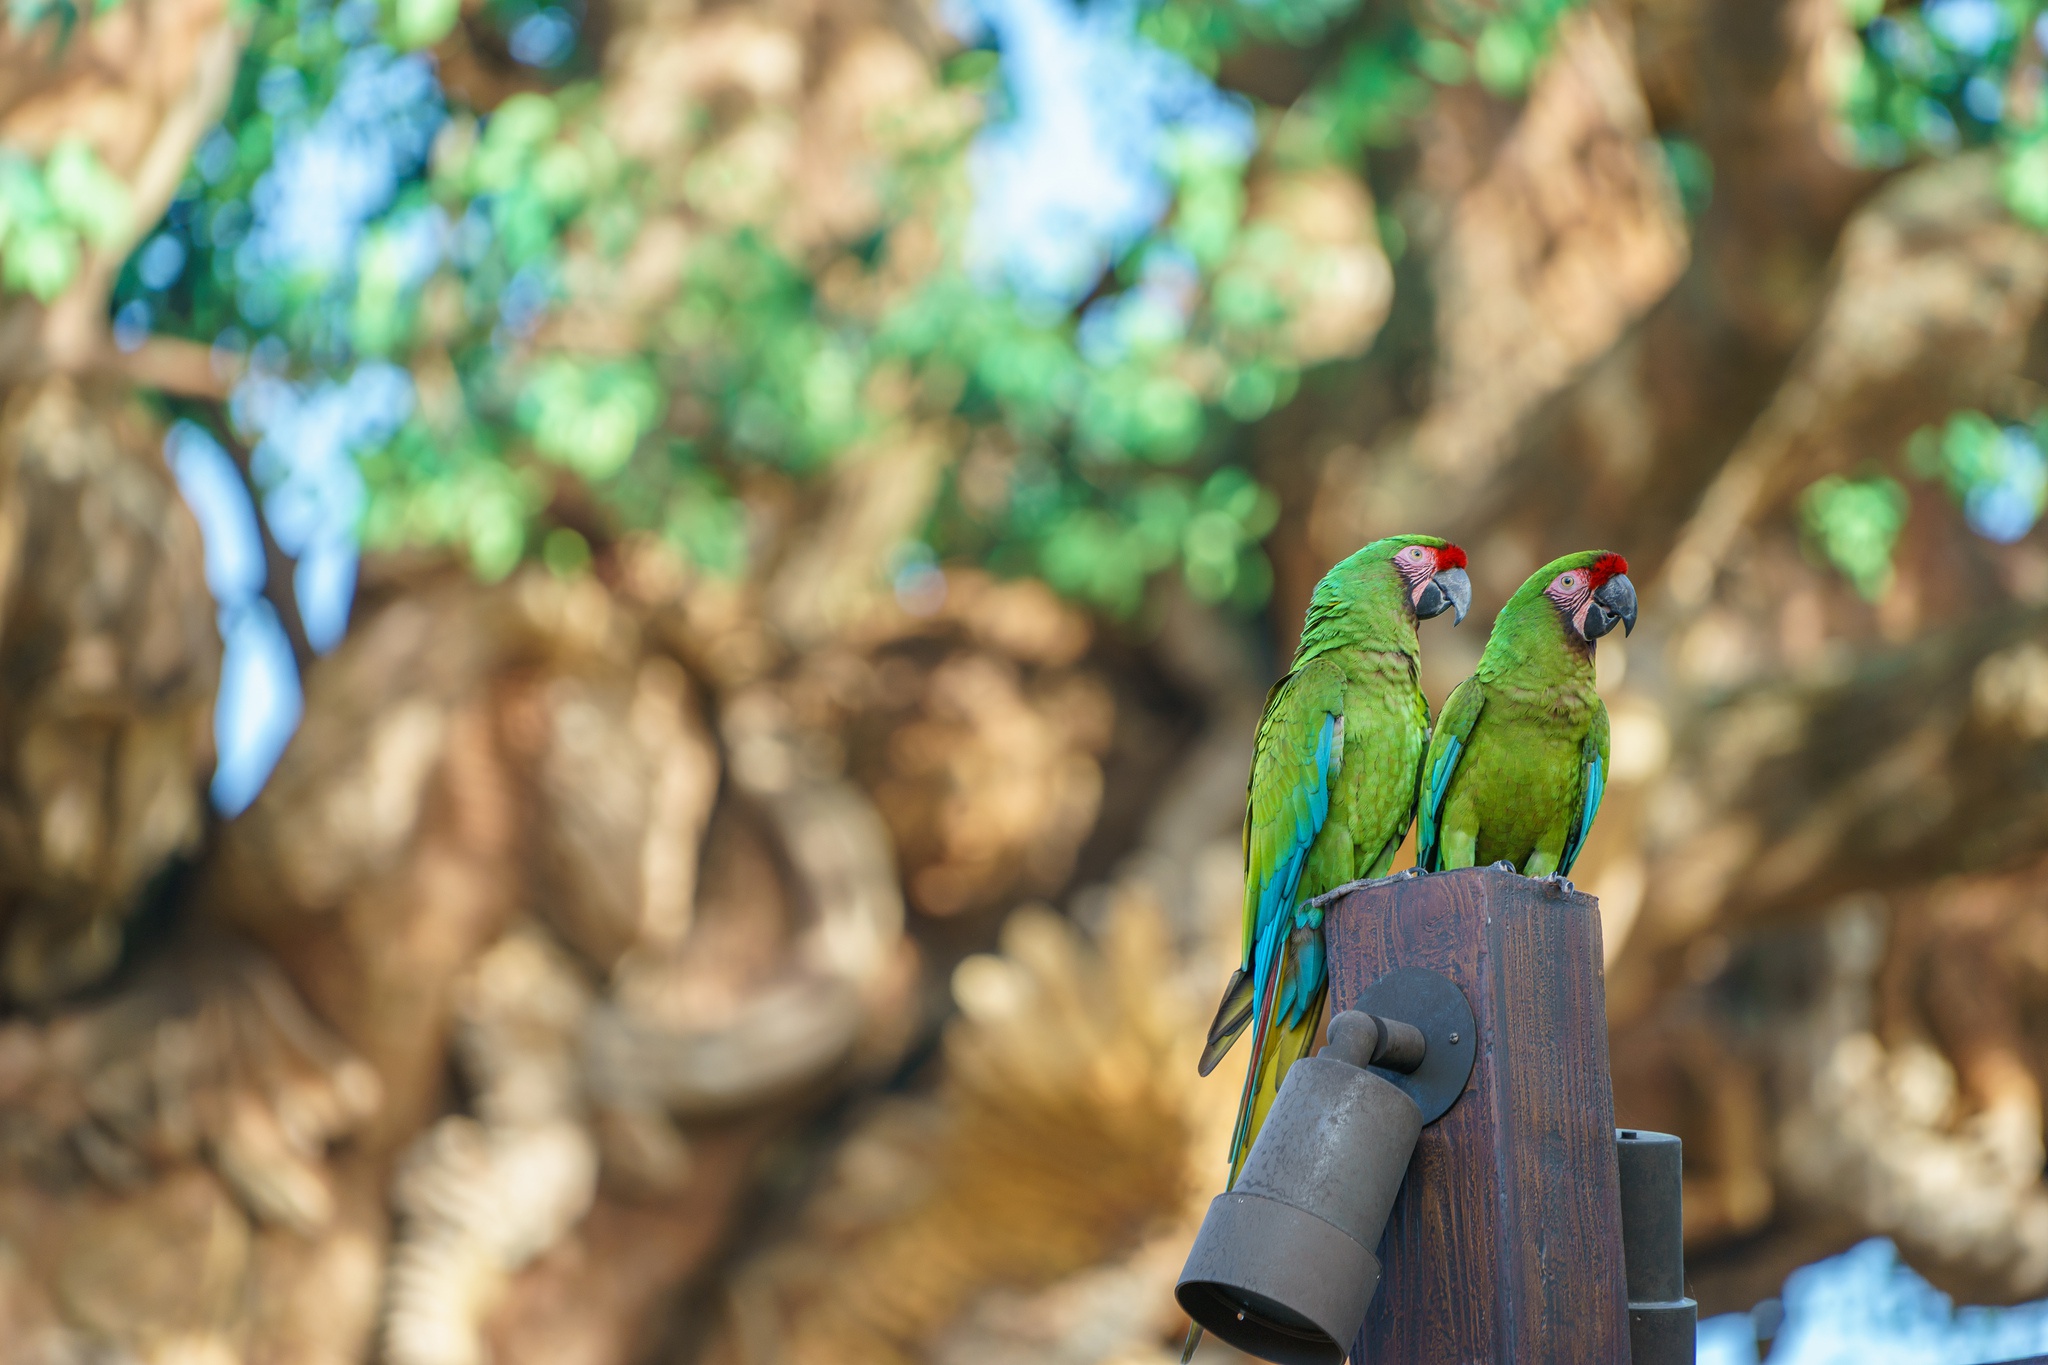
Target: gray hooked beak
1449,590
1614,600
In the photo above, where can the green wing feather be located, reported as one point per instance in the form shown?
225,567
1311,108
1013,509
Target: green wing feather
1287,802
1446,747
1593,784
1282,819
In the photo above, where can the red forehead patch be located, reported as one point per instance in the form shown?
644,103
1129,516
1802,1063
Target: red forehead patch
1607,566
1450,557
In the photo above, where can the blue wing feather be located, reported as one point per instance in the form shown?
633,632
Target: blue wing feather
1596,786
1275,914
1276,901
1433,800
1446,746
1307,982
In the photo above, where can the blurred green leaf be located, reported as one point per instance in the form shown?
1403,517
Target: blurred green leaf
1857,523
565,552
2023,175
1692,171
1505,57
589,416
23,202
1443,62
85,193
422,23
41,259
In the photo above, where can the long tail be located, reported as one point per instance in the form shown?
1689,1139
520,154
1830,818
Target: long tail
1269,968
1278,1047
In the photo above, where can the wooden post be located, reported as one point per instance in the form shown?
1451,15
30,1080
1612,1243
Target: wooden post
1504,1246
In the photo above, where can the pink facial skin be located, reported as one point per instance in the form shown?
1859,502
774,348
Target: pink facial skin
1417,564
1573,589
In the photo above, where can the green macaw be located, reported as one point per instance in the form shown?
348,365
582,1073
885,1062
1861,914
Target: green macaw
1519,758
1332,794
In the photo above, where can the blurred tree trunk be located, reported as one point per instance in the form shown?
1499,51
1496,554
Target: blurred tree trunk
631,963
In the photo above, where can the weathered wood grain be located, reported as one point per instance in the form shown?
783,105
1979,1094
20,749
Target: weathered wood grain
1504,1247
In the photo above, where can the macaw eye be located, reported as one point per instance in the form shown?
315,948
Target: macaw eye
1565,580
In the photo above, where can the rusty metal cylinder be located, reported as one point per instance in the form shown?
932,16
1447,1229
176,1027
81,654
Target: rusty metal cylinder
1284,1265
1663,1324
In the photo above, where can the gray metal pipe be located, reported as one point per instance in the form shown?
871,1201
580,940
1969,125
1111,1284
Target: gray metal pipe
1663,1324
1368,1040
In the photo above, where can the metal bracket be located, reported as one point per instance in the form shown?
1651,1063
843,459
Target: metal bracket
1432,1003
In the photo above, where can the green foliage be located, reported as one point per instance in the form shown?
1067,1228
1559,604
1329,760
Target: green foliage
1206,31
1383,77
1105,556
1933,79
422,23
49,213
1998,475
25,16
1510,42
587,416
1381,81
85,194
1967,452
1917,86
1095,450
704,518
1692,171
2024,179
1856,522
441,487
565,552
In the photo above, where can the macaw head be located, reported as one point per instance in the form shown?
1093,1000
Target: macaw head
1591,591
1433,576
1415,576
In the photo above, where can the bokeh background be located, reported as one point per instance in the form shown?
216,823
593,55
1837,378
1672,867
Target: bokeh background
630,631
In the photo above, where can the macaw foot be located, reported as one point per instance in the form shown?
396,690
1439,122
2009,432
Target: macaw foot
1415,871
1562,883
1505,866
